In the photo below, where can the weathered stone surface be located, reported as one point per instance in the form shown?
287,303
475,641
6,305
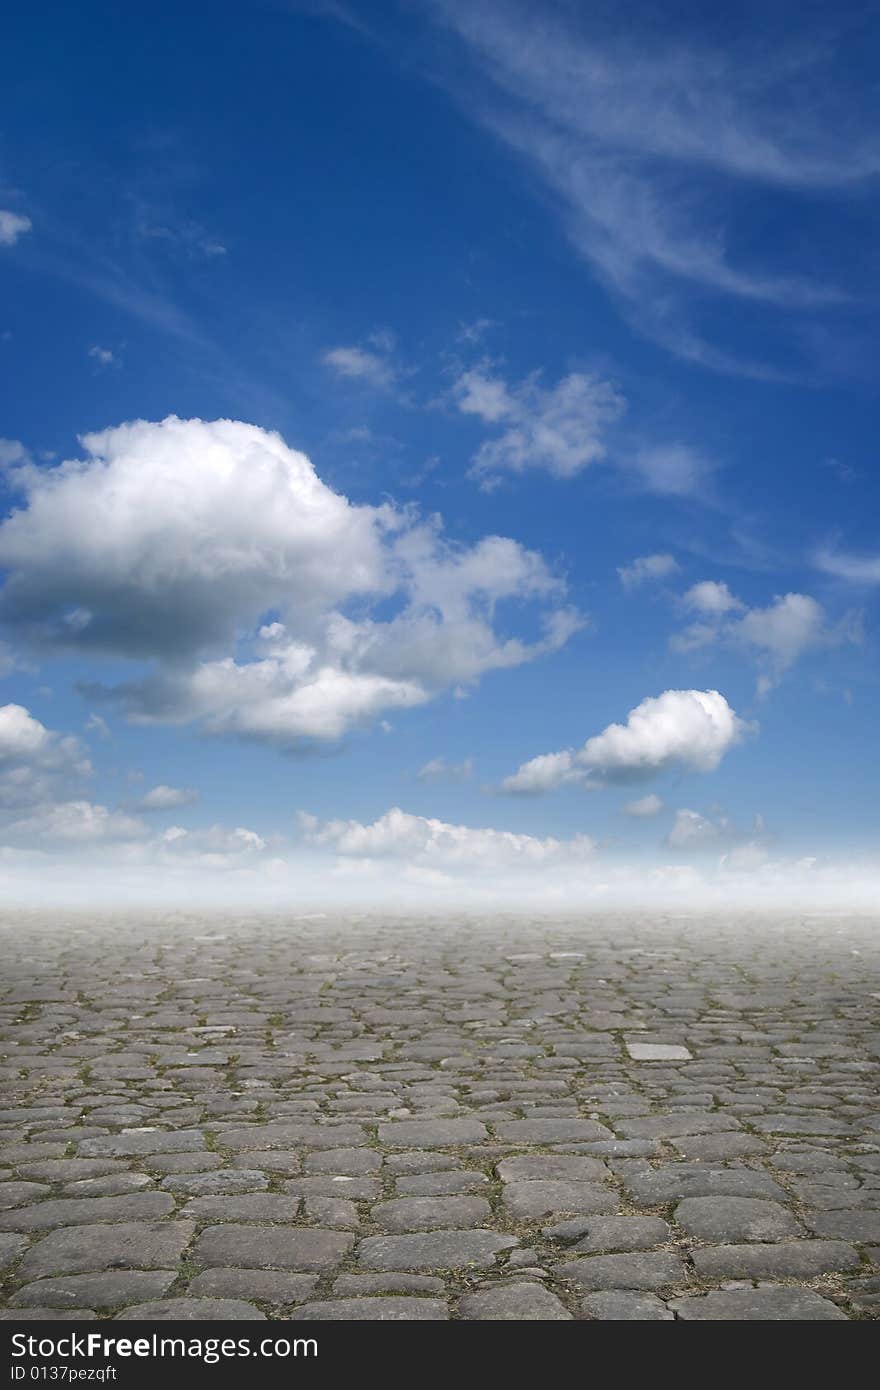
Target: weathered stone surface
434,1250
356,1285
652,1187
431,1213
551,1167
735,1219
352,1162
791,1259
71,1211
11,1246
194,1310
261,1285
224,1183
859,1225
719,1148
442,1184
245,1206
272,1247
387,1309
653,1270
530,1200
151,1141
257,1115
281,1134
123,1245
766,1305
109,1290
551,1131
670,1126
623,1305
524,1302
13,1194
432,1134
601,1233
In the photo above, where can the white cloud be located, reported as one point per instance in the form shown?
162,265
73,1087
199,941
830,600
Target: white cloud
787,627
216,552
748,858
358,364
205,521
647,567
680,728
428,843
41,773
775,636
36,764
694,831
645,806
12,452
21,736
12,226
558,430
545,772
711,598
439,770
164,798
212,844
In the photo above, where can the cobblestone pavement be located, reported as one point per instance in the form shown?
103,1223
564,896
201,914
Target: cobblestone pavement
605,1118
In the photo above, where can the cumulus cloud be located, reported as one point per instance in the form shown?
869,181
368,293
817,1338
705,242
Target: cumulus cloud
36,764
12,226
647,567
212,844
215,552
694,831
559,430
645,806
429,843
164,798
782,631
680,728
41,777
711,598
775,636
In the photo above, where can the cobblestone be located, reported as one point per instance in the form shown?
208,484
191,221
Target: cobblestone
600,1118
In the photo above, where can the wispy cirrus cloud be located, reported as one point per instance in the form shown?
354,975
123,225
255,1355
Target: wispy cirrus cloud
653,144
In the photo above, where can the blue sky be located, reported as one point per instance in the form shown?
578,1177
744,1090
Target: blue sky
453,423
